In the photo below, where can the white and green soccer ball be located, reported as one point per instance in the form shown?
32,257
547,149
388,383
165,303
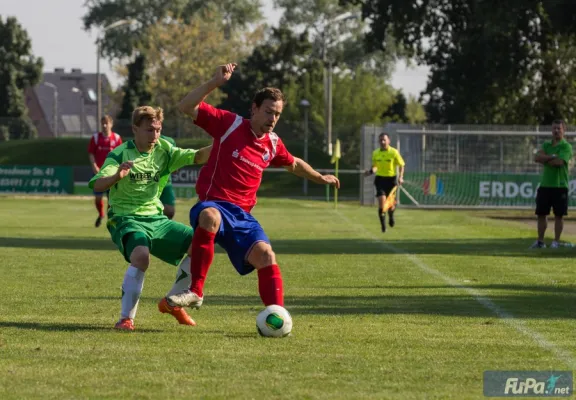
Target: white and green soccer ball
274,321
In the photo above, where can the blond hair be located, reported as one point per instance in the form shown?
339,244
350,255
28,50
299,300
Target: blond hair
147,113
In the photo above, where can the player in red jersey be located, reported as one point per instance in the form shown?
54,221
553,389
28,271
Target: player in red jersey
100,145
227,187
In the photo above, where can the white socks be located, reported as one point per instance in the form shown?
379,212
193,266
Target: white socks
131,291
183,278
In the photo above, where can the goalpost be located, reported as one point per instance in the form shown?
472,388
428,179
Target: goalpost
451,166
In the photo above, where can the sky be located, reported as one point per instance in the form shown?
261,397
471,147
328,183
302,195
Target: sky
55,28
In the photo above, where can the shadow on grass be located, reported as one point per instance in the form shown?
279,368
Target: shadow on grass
509,247
526,288
52,327
521,305
521,302
76,243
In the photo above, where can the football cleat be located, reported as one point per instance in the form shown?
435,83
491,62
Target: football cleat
186,298
177,312
125,324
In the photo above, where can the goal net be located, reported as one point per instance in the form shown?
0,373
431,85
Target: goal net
464,165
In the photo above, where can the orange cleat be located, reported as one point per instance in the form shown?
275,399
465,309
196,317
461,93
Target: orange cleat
177,312
125,324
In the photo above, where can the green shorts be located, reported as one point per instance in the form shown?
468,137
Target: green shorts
168,197
169,240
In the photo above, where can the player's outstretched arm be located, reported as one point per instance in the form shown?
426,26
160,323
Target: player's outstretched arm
189,104
302,169
106,182
202,155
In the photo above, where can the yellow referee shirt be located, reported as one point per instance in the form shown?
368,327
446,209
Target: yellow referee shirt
386,161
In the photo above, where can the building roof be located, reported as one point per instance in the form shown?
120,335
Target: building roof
70,101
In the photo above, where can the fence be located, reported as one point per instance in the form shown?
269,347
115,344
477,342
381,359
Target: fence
463,165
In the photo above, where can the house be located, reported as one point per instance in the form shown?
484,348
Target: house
77,103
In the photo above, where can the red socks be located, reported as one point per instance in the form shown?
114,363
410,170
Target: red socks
201,255
270,285
100,207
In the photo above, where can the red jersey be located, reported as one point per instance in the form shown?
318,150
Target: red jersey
238,158
101,145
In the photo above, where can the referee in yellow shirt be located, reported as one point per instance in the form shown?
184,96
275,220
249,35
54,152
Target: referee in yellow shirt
385,160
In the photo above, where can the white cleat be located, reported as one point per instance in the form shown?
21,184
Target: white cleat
555,245
186,299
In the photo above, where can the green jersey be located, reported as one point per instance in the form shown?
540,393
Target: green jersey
556,177
138,193
173,143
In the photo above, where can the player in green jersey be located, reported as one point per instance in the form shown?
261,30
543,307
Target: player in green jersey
136,173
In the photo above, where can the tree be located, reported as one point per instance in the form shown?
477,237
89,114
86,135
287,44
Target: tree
359,99
415,113
276,62
136,89
489,63
397,110
288,60
19,69
123,41
178,66
335,32
405,110
128,41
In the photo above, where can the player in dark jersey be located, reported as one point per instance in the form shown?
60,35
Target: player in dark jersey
227,187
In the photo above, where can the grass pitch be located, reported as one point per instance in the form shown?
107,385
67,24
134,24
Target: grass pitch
417,313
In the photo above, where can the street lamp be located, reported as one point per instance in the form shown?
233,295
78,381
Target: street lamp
113,25
327,38
305,105
55,108
83,116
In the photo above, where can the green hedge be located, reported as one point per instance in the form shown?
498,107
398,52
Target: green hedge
73,152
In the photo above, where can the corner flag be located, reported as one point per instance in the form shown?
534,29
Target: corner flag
336,155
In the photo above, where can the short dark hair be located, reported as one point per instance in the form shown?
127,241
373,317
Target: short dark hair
106,118
559,122
268,93
380,136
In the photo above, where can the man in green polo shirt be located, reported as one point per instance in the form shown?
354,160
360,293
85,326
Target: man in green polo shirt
555,157
136,173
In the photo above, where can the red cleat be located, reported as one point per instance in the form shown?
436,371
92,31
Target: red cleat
177,312
125,324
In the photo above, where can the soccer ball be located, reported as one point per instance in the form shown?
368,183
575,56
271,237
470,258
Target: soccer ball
274,321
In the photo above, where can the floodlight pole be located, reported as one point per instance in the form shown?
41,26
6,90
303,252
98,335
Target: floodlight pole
98,51
305,105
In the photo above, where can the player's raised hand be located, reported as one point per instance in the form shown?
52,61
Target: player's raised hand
124,169
331,180
224,73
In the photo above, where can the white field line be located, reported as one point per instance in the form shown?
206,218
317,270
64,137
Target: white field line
508,318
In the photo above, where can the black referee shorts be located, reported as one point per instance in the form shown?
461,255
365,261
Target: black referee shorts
384,185
552,198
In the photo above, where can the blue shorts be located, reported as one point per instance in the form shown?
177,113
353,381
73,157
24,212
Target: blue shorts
239,231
